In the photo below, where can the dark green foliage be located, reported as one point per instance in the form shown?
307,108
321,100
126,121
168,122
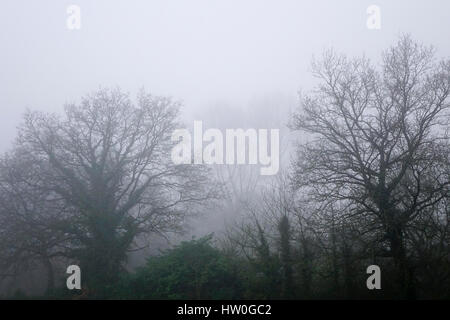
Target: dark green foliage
263,276
192,270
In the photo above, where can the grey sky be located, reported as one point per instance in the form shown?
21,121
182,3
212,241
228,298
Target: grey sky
199,51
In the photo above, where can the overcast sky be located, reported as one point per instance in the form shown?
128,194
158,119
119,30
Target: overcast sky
211,54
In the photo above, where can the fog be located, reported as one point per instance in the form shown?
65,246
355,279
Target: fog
212,55
232,64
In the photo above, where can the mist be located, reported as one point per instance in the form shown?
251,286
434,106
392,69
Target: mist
230,64
211,55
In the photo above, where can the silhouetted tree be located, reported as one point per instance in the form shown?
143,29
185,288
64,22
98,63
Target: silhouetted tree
378,142
29,218
109,162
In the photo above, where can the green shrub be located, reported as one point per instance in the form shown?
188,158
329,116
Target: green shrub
192,270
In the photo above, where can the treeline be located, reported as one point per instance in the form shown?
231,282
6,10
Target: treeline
369,184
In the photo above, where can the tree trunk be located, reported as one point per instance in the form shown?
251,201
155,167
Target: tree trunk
306,269
287,290
50,274
348,271
405,274
335,262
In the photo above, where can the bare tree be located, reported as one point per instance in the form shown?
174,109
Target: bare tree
109,162
29,219
379,141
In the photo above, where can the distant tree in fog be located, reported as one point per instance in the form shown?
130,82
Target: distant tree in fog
108,162
29,218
